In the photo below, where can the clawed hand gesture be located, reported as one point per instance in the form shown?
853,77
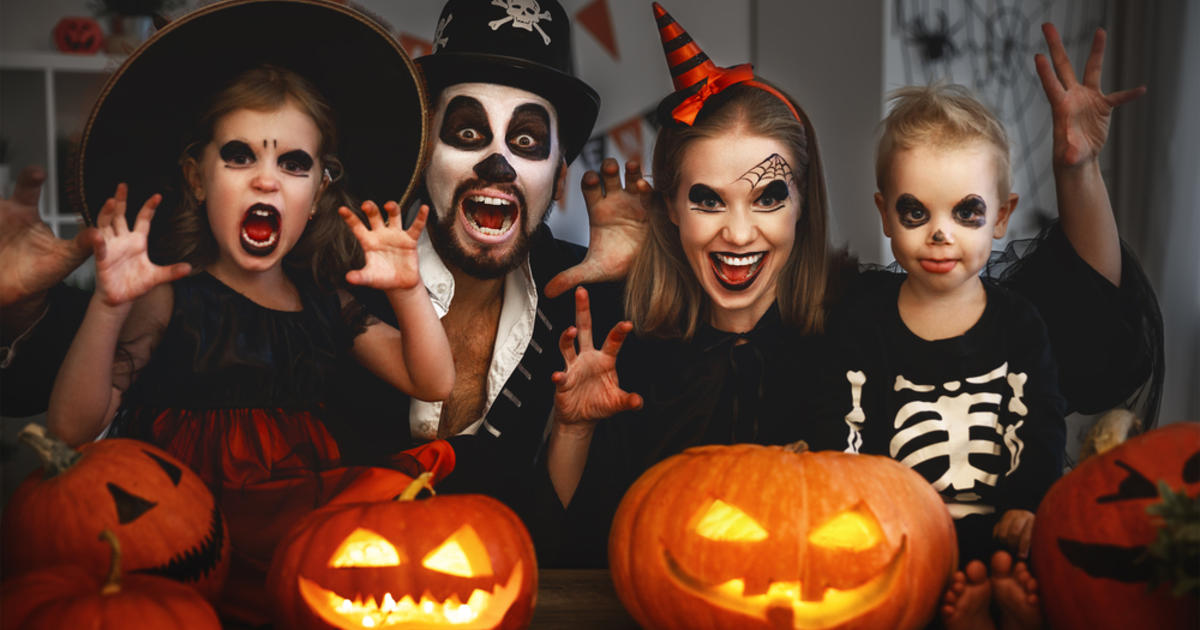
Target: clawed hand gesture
617,225
391,251
32,258
1081,111
123,268
588,390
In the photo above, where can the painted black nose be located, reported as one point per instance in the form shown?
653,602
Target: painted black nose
495,169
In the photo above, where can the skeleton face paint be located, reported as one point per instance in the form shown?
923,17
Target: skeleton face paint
491,174
736,207
942,209
258,177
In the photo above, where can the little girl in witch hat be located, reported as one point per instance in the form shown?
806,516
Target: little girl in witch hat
221,348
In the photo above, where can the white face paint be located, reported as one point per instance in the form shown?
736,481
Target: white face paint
491,174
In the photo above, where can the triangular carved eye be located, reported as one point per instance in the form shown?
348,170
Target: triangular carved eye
722,521
1135,485
173,471
129,506
462,554
365,548
853,530
1191,468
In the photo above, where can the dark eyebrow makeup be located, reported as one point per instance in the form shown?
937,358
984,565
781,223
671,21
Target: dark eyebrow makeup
235,149
300,157
699,193
464,112
532,120
911,211
971,211
777,190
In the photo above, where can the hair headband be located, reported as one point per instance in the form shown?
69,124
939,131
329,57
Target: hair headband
696,77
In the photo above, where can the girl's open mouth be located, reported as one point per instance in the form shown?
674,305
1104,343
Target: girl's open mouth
260,230
490,217
737,272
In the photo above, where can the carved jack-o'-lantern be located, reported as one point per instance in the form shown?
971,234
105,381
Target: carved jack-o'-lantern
462,561
161,510
71,596
1092,530
78,35
748,536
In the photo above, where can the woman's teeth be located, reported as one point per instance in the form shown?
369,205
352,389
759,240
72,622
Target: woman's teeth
737,271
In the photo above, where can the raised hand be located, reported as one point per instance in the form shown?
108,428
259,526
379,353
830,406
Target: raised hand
617,225
123,268
391,251
1081,111
588,389
32,259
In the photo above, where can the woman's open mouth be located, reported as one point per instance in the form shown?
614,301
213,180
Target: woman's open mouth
490,218
737,272
260,230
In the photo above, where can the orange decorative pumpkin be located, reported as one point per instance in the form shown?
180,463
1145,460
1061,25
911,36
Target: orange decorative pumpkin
158,507
73,597
459,561
78,35
749,536
1092,529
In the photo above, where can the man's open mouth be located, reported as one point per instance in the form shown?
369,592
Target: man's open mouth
491,218
737,272
260,230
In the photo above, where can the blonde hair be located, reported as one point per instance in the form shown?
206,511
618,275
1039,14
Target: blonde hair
326,249
941,115
663,298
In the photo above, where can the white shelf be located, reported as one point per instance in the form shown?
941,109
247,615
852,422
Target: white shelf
58,61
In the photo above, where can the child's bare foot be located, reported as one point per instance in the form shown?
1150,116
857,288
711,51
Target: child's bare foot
1015,591
965,605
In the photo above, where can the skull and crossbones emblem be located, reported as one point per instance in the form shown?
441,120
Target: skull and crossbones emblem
525,14
439,37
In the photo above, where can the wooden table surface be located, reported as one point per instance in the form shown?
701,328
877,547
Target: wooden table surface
578,599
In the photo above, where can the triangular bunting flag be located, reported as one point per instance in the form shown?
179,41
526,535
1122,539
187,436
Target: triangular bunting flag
597,20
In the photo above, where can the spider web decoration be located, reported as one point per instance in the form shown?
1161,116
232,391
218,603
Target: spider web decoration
988,46
774,167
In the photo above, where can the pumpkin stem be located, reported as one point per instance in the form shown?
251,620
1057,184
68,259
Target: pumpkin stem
55,454
112,583
421,482
799,446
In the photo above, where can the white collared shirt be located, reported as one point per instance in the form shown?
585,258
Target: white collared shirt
517,316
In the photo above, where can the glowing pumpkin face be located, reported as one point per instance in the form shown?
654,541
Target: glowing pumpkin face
78,35
463,561
1092,529
756,536
159,508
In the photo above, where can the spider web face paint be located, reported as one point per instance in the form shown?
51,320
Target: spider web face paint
774,167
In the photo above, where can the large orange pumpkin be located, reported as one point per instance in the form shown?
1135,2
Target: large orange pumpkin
748,536
73,597
458,561
160,509
1092,531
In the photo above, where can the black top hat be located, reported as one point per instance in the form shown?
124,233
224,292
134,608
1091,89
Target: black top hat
521,43
148,108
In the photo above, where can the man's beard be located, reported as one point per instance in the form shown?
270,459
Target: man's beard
482,266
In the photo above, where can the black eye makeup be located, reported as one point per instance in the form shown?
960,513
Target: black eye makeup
296,162
236,153
704,198
773,196
911,211
529,132
971,212
465,125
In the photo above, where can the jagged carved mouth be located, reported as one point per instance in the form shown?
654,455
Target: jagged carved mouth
196,563
489,215
782,599
260,229
737,272
482,609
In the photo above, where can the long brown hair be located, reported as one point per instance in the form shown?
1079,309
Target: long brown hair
326,249
663,298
